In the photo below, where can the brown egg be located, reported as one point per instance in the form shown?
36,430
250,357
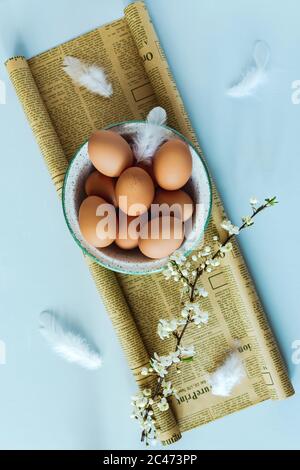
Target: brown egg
109,152
134,191
148,167
95,228
103,186
178,202
172,164
161,236
128,231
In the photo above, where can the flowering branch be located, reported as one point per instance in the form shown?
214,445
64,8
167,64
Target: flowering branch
225,247
188,271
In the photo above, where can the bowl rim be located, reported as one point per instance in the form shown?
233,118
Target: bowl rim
90,255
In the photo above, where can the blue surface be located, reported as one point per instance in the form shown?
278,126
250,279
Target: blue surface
252,147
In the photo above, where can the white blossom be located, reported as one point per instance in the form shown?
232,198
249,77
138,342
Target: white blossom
190,308
144,371
194,312
161,363
174,357
178,257
140,401
159,368
185,312
166,327
170,271
163,404
144,415
201,292
206,251
167,360
253,201
226,248
200,318
215,262
229,227
186,351
167,274
247,220
167,388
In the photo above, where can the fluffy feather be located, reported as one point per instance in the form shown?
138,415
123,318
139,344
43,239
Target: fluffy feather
68,345
148,137
256,74
157,116
91,77
227,376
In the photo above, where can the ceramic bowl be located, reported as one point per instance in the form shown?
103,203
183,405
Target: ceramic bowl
133,261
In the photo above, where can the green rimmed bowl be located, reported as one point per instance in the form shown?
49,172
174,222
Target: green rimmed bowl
133,261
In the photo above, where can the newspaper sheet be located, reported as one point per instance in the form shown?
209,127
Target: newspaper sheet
62,116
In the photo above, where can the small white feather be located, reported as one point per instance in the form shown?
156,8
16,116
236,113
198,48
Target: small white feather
150,136
92,77
157,116
256,75
70,346
228,375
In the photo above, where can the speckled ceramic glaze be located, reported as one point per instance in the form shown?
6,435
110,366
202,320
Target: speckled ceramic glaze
133,261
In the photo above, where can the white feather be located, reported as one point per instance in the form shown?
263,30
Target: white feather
256,75
91,77
157,116
228,375
149,136
70,346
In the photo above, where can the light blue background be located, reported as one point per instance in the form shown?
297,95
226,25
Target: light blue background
252,147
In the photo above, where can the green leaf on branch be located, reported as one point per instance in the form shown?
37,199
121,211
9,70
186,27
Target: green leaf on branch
271,201
187,359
